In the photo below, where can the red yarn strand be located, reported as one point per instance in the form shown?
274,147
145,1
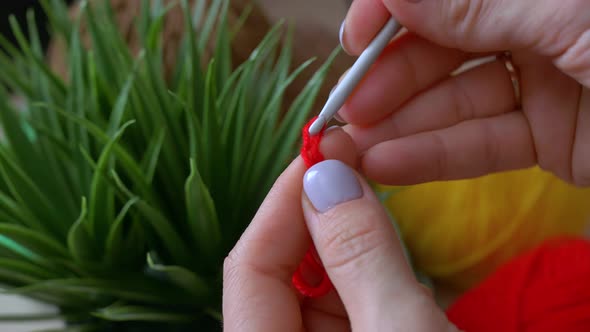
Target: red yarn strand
311,154
310,150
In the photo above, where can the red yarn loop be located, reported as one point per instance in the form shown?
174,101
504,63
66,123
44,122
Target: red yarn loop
311,154
310,150
322,288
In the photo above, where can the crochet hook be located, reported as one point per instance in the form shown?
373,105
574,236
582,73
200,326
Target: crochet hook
356,73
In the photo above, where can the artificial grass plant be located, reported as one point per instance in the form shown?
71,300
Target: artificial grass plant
121,191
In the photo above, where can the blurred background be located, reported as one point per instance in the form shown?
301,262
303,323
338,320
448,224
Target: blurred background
18,9
317,25
318,20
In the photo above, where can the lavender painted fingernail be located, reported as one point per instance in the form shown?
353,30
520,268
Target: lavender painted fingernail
330,183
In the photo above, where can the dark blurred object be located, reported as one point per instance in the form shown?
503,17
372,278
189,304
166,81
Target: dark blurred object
19,10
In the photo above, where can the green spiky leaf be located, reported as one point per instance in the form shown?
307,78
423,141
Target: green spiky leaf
85,196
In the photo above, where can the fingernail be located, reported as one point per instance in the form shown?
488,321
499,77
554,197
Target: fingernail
342,76
330,183
333,89
334,127
341,36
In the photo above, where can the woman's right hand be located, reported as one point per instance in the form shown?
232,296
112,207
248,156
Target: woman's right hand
416,122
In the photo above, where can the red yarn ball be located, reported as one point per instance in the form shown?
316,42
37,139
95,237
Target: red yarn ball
546,289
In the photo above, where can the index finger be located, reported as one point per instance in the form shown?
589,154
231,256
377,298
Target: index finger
469,149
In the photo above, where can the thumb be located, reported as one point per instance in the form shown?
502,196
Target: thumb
360,251
547,27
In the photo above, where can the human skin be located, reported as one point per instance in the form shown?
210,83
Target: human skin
415,122
374,287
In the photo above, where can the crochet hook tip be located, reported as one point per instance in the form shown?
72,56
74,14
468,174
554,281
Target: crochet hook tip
317,126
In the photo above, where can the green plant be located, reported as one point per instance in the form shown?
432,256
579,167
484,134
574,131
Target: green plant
121,192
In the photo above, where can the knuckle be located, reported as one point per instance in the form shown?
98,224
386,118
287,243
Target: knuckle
236,264
566,26
394,129
348,242
463,15
491,148
440,157
464,106
412,69
232,276
233,283
576,59
230,264
457,10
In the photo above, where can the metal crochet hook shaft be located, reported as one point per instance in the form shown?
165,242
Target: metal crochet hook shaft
355,75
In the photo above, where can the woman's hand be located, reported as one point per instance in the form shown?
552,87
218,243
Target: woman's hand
375,290
416,122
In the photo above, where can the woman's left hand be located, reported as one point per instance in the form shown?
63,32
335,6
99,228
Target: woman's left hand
375,289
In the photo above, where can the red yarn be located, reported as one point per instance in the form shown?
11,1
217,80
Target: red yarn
310,150
546,289
322,288
311,154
